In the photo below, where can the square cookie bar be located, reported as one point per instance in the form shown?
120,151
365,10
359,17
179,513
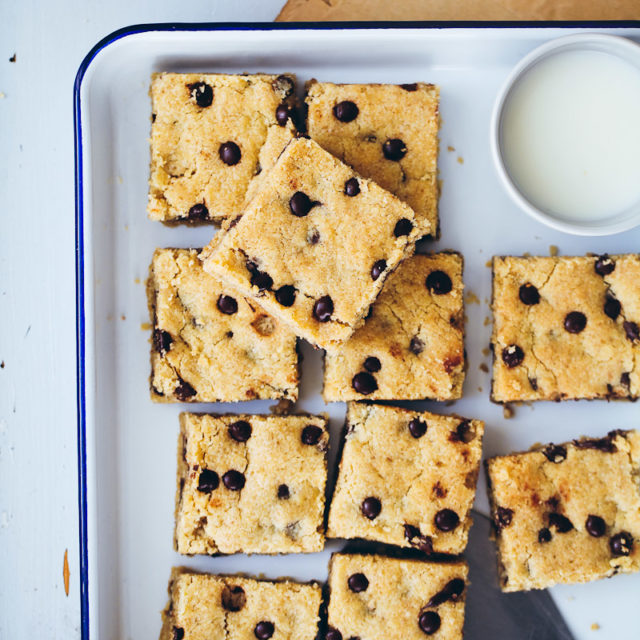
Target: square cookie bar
406,478
566,328
251,483
212,139
567,513
315,245
411,347
209,343
382,598
213,607
386,132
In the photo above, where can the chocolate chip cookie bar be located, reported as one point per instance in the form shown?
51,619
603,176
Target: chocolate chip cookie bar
315,244
406,478
213,137
567,513
411,347
566,328
382,598
251,483
386,132
209,343
215,607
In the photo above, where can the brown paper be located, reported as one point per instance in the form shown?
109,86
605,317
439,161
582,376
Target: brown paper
332,10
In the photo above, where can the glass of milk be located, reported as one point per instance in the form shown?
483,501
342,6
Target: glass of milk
565,134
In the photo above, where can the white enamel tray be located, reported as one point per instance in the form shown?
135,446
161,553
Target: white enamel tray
127,444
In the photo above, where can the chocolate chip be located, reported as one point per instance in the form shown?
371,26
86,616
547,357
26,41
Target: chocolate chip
621,544
311,434
612,306
529,294
283,86
575,322
451,591
259,279
560,522
625,380
604,265
313,236
371,508
202,93
233,598
233,480
198,212
416,539
323,309
417,428
283,492
553,503
346,111
352,187
410,87
227,305
208,481
534,383
416,345
372,364
464,432
378,269
394,149
178,633
358,582
446,520
300,204
364,383
229,153
162,341
503,517
555,453
264,630
544,535
632,330
439,282
605,444
429,622
184,391
595,525
240,430
403,227
512,355
333,634
282,114
286,295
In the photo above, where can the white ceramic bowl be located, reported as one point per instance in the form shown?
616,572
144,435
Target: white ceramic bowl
623,48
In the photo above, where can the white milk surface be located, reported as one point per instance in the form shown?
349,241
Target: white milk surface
571,135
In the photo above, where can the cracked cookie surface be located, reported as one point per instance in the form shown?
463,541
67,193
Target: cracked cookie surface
412,345
251,484
209,343
567,513
208,607
566,328
380,598
386,132
315,244
406,478
213,138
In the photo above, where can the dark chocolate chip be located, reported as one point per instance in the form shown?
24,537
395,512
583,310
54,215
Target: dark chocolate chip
625,380
416,345
575,322
264,630
394,149
229,153
311,434
333,634
233,480
233,598
364,383
358,582
198,212
282,114
208,481
555,453
464,432
300,204
544,535
372,364
446,520
162,341
240,430
553,503
323,309
561,523
346,111
227,305
512,355
413,86
632,330
504,517
286,295
534,383
451,591
371,508
604,265
352,187
403,227
202,93
429,622
417,428
529,294
283,492
378,269
595,525
621,544
184,391
439,282
313,237
612,306
178,633
283,86
153,117
416,539
259,279
605,444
